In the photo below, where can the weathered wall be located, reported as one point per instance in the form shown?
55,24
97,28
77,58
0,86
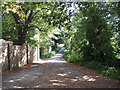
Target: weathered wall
17,55
4,57
32,54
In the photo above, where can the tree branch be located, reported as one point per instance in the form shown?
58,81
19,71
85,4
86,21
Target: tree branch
37,28
26,14
35,13
16,17
29,17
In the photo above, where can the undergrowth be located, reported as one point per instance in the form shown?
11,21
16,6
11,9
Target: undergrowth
110,71
49,55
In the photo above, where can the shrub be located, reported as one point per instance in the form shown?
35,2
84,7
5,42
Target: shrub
91,64
57,49
46,56
112,72
66,55
71,57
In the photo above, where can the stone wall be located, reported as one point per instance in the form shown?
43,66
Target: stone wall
4,56
15,56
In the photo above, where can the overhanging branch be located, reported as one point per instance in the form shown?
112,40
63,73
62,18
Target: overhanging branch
29,17
37,28
16,17
35,13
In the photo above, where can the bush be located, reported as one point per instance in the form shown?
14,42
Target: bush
90,64
57,49
71,57
46,56
66,55
111,72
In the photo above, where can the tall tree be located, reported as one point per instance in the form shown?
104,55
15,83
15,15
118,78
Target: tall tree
92,39
29,14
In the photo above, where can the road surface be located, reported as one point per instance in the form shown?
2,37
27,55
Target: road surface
57,73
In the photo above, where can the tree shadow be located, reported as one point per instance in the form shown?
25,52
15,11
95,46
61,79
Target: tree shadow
56,74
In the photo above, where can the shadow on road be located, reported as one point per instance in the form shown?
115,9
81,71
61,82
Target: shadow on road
57,73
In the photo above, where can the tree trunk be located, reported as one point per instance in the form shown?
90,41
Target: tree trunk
22,35
21,39
22,29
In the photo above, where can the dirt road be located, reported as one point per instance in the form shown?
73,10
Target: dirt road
57,73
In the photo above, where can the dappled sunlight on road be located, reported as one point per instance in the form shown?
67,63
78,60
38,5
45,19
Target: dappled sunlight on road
17,87
74,79
62,74
68,78
21,78
58,84
89,78
52,61
55,81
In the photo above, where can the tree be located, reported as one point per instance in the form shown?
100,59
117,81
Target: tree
93,33
30,14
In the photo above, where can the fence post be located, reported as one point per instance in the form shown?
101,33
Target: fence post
8,56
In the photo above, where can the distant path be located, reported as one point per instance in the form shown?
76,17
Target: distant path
57,73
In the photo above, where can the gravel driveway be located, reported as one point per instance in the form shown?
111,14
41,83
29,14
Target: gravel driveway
57,73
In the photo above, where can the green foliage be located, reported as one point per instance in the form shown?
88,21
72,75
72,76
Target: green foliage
92,65
57,49
92,35
71,56
94,42
9,31
21,18
66,55
48,55
74,57
112,72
